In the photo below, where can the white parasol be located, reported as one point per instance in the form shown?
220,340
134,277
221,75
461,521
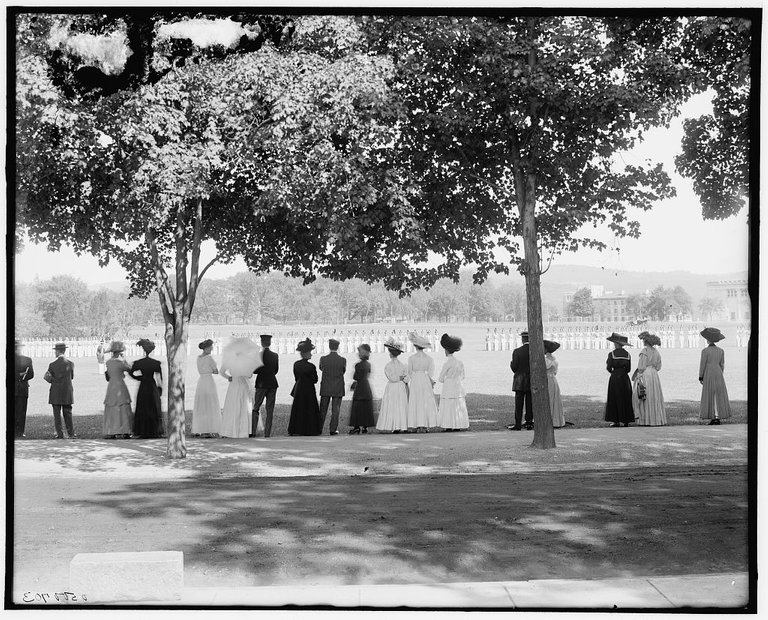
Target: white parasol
241,357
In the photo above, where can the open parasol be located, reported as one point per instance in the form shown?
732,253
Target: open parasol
241,357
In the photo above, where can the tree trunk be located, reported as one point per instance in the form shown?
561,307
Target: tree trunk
543,432
176,342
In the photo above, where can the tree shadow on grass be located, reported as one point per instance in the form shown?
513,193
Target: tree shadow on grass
373,530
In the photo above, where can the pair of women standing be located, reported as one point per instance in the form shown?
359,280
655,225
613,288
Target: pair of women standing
147,421
641,397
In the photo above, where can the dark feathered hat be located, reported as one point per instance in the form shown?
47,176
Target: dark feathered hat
450,343
711,334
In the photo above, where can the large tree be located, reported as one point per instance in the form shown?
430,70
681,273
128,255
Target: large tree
514,125
273,154
581,304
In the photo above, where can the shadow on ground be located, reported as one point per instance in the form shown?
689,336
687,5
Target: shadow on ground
434,529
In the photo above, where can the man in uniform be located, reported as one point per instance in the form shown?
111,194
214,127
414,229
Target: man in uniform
24,372
266,387
333,366
521,385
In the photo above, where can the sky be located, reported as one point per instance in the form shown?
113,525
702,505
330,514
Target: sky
674,236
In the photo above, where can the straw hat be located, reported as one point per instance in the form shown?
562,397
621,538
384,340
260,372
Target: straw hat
393,345
419,341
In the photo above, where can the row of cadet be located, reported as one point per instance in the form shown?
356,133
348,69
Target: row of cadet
637,399
408,402
670,336
284,343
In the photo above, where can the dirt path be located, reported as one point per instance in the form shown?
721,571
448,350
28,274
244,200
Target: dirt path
237,531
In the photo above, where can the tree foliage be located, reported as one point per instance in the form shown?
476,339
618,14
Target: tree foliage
581,304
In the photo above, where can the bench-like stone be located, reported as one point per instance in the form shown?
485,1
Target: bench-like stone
128,576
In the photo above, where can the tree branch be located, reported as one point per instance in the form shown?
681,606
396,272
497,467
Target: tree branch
167,298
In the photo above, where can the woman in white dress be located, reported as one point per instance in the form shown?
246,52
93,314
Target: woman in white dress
555,400
206,414
452,414
238,404
649,406
422,410
393,412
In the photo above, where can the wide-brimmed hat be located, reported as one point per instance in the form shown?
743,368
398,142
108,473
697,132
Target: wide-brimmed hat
712,334
419,341
116,346
550,346
205,344
618,339
305,345
333,343
60,346
450,343
146,344
393,345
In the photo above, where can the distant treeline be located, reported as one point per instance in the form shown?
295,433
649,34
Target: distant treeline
66,305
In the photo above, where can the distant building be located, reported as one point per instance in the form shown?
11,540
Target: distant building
606,307
610,308
735,297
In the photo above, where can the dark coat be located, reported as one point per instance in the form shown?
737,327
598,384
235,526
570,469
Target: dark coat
333,367
266,375
23,363
62,372
305,411
521,366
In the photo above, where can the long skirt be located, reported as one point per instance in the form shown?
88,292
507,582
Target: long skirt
555,401
618,407
452,413
422,410
714,394
206,414
361,413
393,411
650,410
238,403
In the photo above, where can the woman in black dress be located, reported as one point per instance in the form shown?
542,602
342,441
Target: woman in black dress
361,413
618,408
305,412
148,417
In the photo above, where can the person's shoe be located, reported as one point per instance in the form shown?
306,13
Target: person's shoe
529,427
716,421
354,431
73,436
251,436
515,428
365,430
58,437
615,425
332,433
395,432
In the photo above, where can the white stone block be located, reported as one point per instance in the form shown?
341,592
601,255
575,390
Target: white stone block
128,576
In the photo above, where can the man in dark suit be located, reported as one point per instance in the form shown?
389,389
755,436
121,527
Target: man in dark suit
333,366
24,372
266,387
521,384
61,396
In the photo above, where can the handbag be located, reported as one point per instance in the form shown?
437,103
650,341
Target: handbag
640,391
